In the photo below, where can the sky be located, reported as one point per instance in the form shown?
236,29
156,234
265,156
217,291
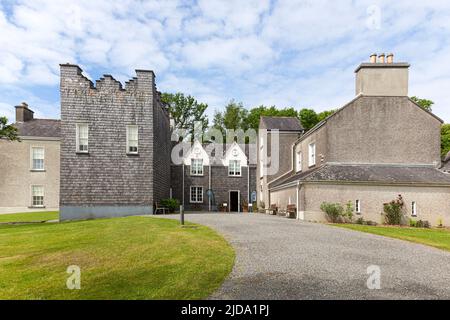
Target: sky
259,52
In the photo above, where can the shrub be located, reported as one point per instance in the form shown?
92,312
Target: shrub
393,211
334,211
412,223
171,204
360,221
371,223
349,211
440,223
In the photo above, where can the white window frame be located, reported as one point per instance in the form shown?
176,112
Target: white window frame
195,168
78,125
298,161
197,194
358,206
32,158
129,144
233,170
41,203
312,154
414,209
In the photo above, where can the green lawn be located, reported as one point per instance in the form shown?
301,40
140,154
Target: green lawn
121,258
29,216
439,238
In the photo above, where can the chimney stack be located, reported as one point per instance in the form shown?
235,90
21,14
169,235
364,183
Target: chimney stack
23,114
382,79
373,58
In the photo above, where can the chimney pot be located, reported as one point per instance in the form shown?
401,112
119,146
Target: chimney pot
373,58
390,58
382,58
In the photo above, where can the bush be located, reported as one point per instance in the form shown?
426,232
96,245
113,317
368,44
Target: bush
393,211
360,221
171,204
412,223
419,224
349,211
371,223
334,211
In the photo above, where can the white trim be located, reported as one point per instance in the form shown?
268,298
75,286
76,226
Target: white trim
190,194
234,173
128,127
192,166
32,196
358,206
239,200
31,158
414,209
298,160
78,137
311,154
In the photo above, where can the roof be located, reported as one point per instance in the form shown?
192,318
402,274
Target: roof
380,173
383,65
39,128
282,123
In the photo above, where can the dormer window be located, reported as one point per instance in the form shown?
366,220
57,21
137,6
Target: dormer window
234,168
196,167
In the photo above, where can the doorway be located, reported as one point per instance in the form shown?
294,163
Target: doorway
234,201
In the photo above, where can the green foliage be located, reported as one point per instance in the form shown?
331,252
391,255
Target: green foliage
423,103
334,211
393,211
185,110
256,113
308,118
445,139
7,131
234,117
171,204
325,114
349,210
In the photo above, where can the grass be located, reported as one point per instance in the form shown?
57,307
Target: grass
29,216
438,238
121,258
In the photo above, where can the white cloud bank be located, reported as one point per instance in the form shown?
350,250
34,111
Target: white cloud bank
287,53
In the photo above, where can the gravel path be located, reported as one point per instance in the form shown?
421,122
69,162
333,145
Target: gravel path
279,258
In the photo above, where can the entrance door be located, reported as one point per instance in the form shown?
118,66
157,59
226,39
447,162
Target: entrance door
234,201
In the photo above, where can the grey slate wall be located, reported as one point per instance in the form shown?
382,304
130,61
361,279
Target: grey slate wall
107,181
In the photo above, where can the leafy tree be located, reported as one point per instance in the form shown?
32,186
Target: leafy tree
255,114
445,139
8,132
423,103
324,114
185,110
308,118
234,117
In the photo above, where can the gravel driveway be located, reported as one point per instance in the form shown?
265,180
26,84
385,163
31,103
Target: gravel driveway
279,258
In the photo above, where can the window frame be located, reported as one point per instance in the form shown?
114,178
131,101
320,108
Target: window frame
78,125
413,209
234,172
358,206
33,205
197,194
298,161
195,173
128,127
32,168
312,154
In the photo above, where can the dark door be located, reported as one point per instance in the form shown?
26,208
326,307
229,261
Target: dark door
234,201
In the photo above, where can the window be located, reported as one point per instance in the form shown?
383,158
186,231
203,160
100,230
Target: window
82,137
413,209
132,139
37,158
37,196
312,154
298,161
196,194
261,168
196,167
234,168
358,206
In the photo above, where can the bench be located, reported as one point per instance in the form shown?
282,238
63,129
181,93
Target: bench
291,211
163,209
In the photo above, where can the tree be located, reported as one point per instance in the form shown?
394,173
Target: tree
234,117
185,110
445,139
308,118
324,114
8,132
423,103
255,114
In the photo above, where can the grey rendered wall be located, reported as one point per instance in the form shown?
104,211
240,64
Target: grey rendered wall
319,137
432,202
106,177
17,176
384,130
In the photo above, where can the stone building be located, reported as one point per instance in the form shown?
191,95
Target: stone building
29,169
209,179
115,146
379,145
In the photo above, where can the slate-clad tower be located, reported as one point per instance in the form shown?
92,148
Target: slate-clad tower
115,146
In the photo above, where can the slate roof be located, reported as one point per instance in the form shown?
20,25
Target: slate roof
39,128
282,123
394,174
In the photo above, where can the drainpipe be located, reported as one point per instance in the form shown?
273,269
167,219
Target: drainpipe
182,191
248,185
298,204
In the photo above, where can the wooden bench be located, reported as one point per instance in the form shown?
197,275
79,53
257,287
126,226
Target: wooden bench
291,211
273,209
163,209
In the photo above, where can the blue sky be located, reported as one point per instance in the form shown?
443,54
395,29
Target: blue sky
283,53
